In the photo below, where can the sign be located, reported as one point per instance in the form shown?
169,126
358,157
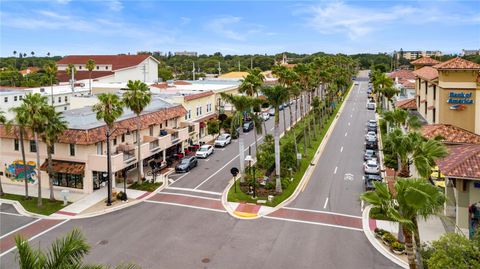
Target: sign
299,156
459,98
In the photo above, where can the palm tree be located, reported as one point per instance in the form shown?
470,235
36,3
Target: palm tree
90,66
51,72
303,72
276,96
389,93
137,97
66,252
241,104
15,56
48,54
109,109
425,154
399,145
3,120
55,126
414,197
252,82
35,107
20,120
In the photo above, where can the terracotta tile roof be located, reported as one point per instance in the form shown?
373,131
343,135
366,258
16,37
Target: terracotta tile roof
463,161
402,74
65,167
457,63
197,95
450,133
117,61
181,82
427,73
407,84
94,135
425,61
160,85
29,70
62,76
407,104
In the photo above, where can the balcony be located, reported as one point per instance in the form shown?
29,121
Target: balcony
178,134
99,162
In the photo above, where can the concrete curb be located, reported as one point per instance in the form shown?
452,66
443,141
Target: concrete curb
26,213
375,243
306,175
232,211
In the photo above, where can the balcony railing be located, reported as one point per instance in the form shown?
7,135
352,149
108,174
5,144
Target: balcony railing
153,145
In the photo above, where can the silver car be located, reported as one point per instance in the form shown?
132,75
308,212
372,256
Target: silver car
371,167
223,140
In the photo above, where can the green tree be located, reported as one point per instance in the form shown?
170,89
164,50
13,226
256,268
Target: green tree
3,120
213,127
252,82
90,66
276,96
454,250
109,109
165,73
71,71
137,97
51,72
389,93
54,128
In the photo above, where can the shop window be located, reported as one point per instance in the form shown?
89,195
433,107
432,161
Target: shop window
33,146
72,149
16,145
68,180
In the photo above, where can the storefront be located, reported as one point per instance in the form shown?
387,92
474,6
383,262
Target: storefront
66,174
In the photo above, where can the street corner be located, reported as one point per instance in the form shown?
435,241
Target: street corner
246,210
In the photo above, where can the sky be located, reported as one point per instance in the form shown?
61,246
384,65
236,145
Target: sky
64,27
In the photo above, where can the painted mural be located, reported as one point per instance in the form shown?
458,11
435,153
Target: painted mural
15,171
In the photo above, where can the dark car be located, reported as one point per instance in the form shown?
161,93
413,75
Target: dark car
371,145
186,164
372,128
247,126
369,154
369,180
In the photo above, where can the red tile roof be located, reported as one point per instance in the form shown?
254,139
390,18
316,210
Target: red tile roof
117,61
450,133
407,84
65,167
402,74
407,104
197,95
427,73
181,82
62,76
94,135
463,161
458,63
425,61
29,70
160,85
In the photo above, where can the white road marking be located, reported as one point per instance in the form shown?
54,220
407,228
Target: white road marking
336,167
189,195
341,149
11,214
326,202
346,133
38,235
193,190
189,206
349,124
19,228
177,179
361,205
322,212
170,181
314,223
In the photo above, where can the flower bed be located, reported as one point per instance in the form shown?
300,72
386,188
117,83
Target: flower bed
390,241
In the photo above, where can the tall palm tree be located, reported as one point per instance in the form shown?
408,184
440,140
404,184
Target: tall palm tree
414,197
48,54
241,105
20,120
303,71
109,109
425,154
51,72
400,145
137,97
32,53
252,82
90,66
54,128
35,107
276,96
3,120
389,93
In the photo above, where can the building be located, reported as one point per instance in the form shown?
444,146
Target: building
447,92
415,54
470,52
186,53
404,81
110,68
80,159
29,70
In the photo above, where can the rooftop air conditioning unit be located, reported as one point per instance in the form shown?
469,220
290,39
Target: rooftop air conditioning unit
42,89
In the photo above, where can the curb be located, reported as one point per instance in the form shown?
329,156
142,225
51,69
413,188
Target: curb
303,181
374,242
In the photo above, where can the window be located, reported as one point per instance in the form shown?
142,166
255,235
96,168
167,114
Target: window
64,108
123,138
59,99
426,104
166,123
33,147
434,112
72,149
434,92
68,180
115,141
426,89
199,110
79,67
151,130
134,133
418,102
16,145
6,99
99,148
15,98
209,107
106,67
20,97
66,99
98,67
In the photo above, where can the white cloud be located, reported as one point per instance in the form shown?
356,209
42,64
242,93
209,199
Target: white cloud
185,20
231,27
114,5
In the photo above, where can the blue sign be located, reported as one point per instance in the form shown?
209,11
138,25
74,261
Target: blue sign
460,98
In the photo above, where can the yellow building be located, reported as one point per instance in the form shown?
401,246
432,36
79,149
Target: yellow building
447,92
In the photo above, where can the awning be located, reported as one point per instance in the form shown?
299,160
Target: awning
147,138
65,167
206,118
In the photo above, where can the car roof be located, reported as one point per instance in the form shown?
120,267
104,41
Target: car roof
205,146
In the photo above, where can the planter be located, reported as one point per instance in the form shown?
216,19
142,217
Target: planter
398,252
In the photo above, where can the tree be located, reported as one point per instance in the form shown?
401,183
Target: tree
389,93
109,109
54,128
51,72
66,252
414,197
90,66
213,127
35,107
252,82
453,250
276,96
165,73
3,120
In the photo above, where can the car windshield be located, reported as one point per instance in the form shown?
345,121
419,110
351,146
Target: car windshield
371,165
246,124
369,152
184,161
203,149
222,137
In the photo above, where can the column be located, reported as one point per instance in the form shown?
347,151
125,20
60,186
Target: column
449,210
462,207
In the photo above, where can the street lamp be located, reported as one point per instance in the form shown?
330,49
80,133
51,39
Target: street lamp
109,163
249,159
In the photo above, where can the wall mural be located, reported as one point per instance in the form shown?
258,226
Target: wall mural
16,169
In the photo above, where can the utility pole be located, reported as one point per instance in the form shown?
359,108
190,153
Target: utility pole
193,71
219,68
251,63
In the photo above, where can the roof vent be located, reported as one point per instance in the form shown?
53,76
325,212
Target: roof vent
42,89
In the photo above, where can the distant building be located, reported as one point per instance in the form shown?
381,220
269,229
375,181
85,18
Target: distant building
415,54
29,70
470,52
186,53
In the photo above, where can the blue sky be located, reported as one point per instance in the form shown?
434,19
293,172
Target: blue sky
237,27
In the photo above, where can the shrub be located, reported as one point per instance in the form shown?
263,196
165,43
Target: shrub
121,196
389,238
398,246
380,232
270,185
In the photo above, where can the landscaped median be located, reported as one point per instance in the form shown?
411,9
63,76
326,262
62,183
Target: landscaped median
290,179
30,205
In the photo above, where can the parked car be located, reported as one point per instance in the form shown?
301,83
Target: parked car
369,180
223,140
271,111
371,145
372,122
371,136
372,128
369,154
371,167
247,126
186,164
369,91
287,104
280,108
371,106
265,116
204,151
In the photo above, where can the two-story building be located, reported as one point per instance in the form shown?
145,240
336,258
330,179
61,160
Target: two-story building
79,157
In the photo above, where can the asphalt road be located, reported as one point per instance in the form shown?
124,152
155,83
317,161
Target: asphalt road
160,235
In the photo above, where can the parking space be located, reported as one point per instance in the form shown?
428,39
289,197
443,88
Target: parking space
11,220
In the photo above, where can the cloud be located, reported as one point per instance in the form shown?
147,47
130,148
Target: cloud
114,5
231,27
185,20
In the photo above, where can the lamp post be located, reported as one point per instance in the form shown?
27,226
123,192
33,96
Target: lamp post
109,164
249,159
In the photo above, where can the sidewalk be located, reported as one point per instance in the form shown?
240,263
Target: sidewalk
33,192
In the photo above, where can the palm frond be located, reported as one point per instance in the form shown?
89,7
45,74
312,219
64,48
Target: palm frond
68,250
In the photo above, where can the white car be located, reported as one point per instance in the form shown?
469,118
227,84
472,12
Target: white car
371,167
265,116
204,151
223,140
271,112
371,106
371,136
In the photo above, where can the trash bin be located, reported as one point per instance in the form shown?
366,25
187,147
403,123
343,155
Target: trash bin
65,196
